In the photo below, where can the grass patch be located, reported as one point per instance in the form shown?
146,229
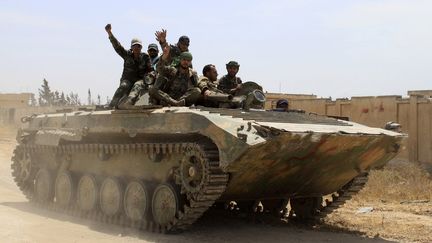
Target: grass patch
399,181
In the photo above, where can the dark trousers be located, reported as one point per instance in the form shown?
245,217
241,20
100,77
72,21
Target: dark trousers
123,90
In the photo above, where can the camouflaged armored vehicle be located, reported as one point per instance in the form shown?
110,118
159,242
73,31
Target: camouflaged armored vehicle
160,169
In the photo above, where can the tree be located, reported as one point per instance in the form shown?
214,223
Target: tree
98,99
33,101
74,99
45,94
62,99
89,98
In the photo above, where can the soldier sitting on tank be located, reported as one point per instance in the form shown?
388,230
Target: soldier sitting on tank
181,46
211,95
175,86
136,66
281,105
230,83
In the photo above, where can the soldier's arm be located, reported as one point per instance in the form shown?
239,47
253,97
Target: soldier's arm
148,64
161,38
163,66
239,81
115,43
202,84
221,86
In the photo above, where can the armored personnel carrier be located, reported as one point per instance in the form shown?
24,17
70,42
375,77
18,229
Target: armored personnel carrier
161,168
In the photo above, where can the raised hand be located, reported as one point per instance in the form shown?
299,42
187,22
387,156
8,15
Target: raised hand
108,28
161,36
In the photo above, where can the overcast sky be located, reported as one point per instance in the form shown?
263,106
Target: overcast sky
337,48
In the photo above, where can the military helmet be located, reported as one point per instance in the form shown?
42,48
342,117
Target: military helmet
136,41
282,103
153,46
186,55
232,64
184,40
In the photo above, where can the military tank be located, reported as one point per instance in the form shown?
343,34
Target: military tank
161,168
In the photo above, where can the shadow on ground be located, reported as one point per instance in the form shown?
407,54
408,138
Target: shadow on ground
215,226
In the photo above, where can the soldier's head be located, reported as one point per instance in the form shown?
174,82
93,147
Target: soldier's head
153,50
136,46
232,68
282,105
185,60
183,43
210,72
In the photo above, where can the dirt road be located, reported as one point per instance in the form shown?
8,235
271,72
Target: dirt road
20,221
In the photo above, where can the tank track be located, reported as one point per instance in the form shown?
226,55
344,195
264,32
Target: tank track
196,204
24,184
343,195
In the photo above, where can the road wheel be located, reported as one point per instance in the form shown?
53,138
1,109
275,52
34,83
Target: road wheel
44,186
64,189
87,193
111,196
165,204
136,200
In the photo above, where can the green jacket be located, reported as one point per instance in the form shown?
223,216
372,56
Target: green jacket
226,83
173,82
133,70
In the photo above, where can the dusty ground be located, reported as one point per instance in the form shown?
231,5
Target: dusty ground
389,220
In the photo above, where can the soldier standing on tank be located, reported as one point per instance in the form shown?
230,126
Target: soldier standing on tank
153,52
181,46
176,86
230,83
211,95
136,66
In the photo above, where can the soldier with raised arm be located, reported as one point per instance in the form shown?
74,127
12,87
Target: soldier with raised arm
136,65
176,86
175,50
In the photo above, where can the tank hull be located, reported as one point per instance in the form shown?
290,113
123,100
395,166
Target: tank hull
181,161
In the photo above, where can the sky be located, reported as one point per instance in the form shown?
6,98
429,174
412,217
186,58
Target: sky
329,48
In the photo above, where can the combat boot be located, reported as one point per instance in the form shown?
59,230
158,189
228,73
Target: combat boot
174,102
128,103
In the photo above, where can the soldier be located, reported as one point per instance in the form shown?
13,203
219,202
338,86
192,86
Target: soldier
136,66
211,95
176,86
230,83
182,46
153,52
281,105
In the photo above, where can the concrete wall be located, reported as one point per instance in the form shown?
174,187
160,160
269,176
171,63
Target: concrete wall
12,116
15,100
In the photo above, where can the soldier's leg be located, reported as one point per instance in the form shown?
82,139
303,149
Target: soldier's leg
191,96
136,90
123,89
163,98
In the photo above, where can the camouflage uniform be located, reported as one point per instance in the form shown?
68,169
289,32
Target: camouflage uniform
153,60
172,86
133,70
174,57
227,83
